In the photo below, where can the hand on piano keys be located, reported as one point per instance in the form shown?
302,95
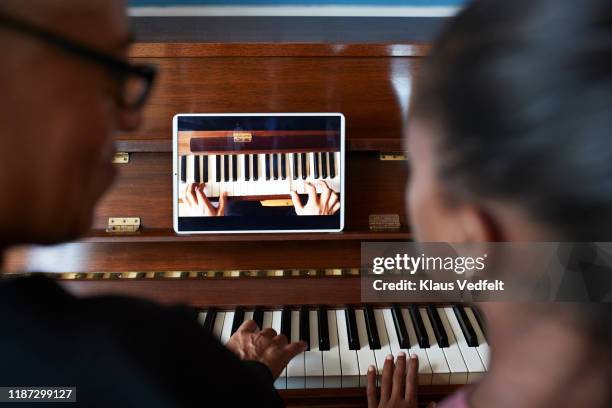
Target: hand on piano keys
399,384
326,203
265,346
198,204
343,343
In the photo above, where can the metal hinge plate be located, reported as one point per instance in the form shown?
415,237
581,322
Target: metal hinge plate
392,157
123,224
121,158
242,137
384,222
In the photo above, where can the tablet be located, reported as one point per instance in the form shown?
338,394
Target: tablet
255,172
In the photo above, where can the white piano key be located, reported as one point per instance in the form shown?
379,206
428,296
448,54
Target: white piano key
439,366
240,186
348,358
190,178
286,183
209,189
248,315
425,369
201,168
212,160
385,347
249,185
313,358
279,185
222,183
227,327
470,354
201,318
267,320
391,334
295,368
281,381
332,366
218,326
231,182
483,347
454,358
335,182
263,184
365,355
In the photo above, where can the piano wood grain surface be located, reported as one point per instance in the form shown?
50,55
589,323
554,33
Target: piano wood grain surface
144,189
370,84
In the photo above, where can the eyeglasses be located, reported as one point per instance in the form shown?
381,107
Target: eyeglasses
135,80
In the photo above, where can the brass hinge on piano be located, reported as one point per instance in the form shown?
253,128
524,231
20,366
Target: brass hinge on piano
392,157
123,225
121,158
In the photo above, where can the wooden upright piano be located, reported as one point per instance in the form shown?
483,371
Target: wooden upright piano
304,285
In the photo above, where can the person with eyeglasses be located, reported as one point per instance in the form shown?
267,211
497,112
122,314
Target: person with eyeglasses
66,88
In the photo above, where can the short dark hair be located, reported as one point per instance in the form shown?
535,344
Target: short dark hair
522,92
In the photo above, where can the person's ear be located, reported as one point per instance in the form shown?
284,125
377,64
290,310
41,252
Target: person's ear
478,225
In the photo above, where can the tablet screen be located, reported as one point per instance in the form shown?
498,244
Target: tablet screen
258,172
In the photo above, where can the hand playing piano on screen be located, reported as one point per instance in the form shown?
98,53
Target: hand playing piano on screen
326,203
199,205
398,384
265,346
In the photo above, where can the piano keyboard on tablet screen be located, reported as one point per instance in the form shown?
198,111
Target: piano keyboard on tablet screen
343,343
260,174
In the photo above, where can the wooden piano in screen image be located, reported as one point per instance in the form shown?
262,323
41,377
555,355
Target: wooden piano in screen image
259,165
303,285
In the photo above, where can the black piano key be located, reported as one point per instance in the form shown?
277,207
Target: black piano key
255,160
226,160
238,319
324,164
205,168
247,167
466,326
218,168
303,162
258,315
323,327
184,169
332,165
283,166
295,157
275,166
234,167
438,327
371,328
400,327
209,321
419,326
286,323
196,169
480,320
351,328
268,166
316,165
305,325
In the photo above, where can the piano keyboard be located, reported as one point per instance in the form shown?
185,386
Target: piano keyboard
343,343
260,174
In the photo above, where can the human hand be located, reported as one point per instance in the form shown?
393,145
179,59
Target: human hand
199,205
265,346
326,203
398,384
